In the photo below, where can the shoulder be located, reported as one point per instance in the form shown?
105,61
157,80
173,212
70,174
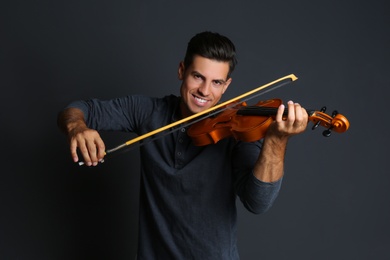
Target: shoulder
153,104
152,112
141,99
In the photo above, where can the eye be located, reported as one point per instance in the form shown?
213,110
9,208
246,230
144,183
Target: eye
218,83
197,77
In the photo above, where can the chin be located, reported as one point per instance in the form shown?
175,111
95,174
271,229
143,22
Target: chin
199,109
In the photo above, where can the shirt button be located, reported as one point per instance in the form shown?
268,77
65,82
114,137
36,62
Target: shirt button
178,153
183,130
181,140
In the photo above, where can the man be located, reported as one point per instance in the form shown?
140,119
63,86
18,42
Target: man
188,193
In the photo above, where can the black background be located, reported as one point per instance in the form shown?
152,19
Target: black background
334,203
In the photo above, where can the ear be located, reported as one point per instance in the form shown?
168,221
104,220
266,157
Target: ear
181,70
226,85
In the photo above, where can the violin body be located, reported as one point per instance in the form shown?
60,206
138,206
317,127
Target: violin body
247,128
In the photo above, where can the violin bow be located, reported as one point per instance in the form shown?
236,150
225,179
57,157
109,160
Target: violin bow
243,97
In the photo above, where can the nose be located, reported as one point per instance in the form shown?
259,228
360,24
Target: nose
205,89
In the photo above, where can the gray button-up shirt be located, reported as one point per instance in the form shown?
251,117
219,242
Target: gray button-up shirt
188,193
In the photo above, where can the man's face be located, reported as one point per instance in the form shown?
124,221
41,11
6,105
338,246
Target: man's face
203,84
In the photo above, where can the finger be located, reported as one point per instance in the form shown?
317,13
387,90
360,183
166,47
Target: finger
305,115
85,153
301,114
305,118
101,149
92,153
298,113
73,151
291,113
279,113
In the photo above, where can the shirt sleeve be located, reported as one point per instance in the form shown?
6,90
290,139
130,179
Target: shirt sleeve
257,196
120,114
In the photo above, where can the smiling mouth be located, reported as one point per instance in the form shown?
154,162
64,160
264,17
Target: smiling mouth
200,100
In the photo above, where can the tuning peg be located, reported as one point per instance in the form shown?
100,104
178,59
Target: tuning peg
316,125
323,109
327,132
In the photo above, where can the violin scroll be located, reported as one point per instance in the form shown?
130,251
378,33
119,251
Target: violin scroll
337,122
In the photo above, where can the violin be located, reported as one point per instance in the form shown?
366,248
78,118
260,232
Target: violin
235,118
250,123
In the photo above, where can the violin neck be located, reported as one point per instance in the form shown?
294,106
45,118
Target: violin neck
263,111
259,111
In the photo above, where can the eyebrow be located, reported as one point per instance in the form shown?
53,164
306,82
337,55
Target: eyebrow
203,77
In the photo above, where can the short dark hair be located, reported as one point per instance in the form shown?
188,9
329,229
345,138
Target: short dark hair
212,46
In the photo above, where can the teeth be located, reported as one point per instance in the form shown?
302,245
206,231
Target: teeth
201,100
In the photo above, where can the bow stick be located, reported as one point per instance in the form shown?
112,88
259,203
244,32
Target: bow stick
272,85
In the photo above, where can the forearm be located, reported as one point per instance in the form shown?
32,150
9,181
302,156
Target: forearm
261,189
70,119
270,164
257,196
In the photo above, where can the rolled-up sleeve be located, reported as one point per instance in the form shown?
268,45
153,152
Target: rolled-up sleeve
257,196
